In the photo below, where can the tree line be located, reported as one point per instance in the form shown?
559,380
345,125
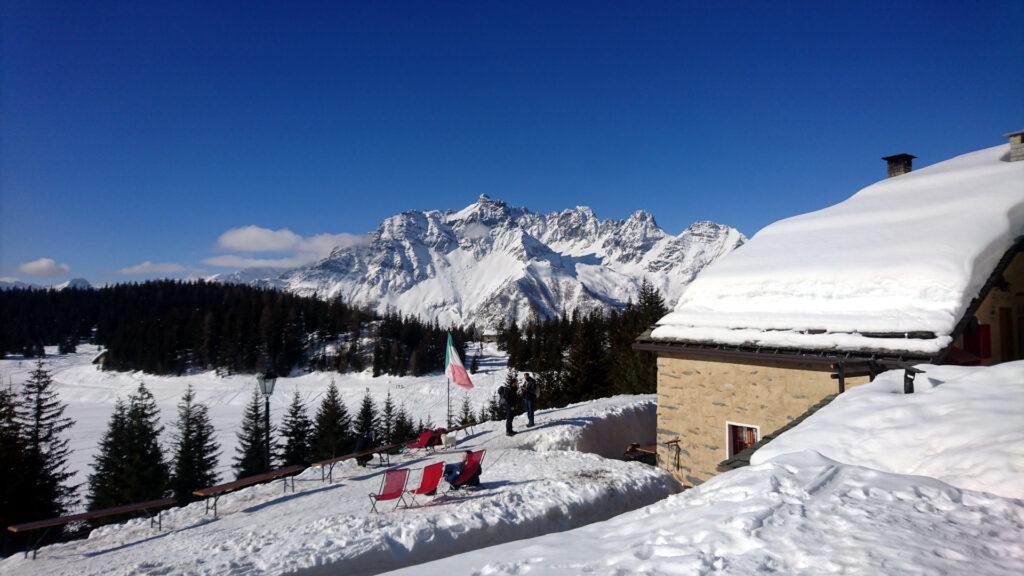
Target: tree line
172,327
586,355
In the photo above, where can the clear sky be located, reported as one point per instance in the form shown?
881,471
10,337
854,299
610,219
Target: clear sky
156,132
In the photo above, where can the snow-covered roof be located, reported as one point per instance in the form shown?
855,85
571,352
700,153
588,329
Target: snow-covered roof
904,255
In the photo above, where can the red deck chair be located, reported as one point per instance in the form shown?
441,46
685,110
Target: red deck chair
392,487
428,482
470,468
428,439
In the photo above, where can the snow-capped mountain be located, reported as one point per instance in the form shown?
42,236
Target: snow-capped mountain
489,263
75,283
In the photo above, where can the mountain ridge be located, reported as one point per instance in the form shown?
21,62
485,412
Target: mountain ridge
491,262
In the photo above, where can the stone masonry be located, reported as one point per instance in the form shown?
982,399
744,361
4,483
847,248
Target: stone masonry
696,398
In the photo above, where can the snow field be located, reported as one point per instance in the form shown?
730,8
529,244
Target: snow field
90,395
529,486
877,482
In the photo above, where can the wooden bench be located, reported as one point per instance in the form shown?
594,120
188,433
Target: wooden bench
148,507
327,466
219,490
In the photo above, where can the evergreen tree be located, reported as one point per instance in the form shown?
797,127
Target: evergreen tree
41,421
297,432
404,428
131,466
332,434
466,416
195,449
366,419
387,421
252,457
484,415
12,480
109,465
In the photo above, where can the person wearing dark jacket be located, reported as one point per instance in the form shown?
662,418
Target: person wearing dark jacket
365,442
530,398
510,397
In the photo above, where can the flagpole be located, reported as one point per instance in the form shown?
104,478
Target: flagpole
449,402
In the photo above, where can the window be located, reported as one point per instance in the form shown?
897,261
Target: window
739,437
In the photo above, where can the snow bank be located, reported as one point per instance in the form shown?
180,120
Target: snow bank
533,483
798,514
964,426
904,254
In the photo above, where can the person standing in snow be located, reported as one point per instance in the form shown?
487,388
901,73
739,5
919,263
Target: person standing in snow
530,397
365,442
510,395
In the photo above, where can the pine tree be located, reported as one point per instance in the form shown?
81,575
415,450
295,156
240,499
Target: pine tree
484,415
41,420
404,428
366,420
195,449
387,421
466,416
332,434
130,466
109,465
12,480
296,431
252,457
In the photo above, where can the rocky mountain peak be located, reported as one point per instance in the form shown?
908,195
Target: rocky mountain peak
489,262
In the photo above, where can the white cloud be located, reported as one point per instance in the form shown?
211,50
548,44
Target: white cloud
297,250
256,239
146,268
44,267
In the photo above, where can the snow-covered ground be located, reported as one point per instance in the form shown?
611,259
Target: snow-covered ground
90,394
533,483
869,508
964,426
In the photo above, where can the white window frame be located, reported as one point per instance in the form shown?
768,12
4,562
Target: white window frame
728,440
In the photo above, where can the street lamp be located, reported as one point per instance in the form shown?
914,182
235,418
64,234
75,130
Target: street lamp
266,380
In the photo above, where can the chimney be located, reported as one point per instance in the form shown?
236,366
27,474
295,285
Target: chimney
1016,145
899,164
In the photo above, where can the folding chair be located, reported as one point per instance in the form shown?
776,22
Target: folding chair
470,469
422,442
392,487
428,482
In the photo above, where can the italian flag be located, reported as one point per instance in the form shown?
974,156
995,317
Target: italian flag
453,366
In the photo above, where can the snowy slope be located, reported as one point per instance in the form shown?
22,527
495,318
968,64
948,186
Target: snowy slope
962,425
490,262
905,254
799,512
90,394
327,528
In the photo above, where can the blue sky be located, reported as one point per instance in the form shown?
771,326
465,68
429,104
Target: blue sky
175,133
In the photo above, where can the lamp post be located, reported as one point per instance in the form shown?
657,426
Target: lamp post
266,380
